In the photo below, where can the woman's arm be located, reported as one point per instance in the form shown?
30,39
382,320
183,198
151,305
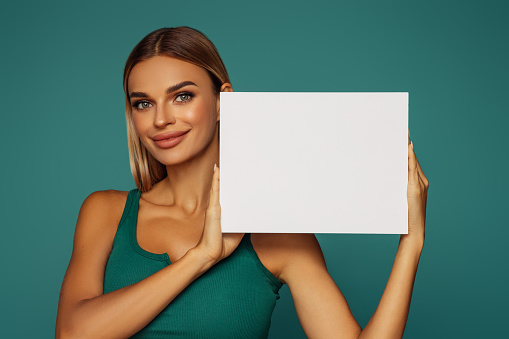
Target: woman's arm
320,305
84,311
390,317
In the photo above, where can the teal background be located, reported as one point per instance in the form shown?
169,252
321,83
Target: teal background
63,136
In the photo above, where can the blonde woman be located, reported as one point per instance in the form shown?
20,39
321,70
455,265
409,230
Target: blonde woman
153,263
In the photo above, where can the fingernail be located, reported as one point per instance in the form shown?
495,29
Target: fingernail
412,144
214,167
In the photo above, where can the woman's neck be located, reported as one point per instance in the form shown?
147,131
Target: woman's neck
187,185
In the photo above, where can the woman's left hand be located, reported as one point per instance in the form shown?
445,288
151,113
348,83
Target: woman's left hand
417,193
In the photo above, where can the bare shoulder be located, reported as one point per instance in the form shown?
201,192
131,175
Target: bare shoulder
106,203
99,214
107,199
97,223
281,253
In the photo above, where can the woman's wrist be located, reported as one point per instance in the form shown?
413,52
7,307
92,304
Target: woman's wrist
413,241
203,261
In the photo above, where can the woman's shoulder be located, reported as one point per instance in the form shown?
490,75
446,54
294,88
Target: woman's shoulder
109,196
106,200
281,251
100,213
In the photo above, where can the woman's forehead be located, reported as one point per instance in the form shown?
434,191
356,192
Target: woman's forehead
165,71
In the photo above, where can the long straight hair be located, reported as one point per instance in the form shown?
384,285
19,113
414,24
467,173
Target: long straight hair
184,43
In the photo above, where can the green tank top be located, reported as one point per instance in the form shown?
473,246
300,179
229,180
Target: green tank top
233,299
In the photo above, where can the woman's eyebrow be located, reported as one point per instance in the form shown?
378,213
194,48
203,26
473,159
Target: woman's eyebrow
168,91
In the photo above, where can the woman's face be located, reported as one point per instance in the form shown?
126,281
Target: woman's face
171,95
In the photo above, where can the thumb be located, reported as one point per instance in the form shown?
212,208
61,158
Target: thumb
214,208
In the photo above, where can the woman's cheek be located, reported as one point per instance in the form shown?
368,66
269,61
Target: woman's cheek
141,128
195,121
196,114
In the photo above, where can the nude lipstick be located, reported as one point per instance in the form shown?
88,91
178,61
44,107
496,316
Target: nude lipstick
169,139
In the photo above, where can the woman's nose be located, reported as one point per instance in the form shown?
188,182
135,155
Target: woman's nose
164,116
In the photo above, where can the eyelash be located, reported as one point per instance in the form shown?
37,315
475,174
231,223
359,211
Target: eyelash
189,94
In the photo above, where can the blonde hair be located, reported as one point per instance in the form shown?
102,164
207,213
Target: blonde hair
184,43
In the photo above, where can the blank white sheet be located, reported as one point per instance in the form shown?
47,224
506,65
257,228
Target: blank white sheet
298,162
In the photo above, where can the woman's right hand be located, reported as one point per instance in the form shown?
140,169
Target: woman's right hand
213,244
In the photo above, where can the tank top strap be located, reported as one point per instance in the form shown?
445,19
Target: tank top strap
248,245
129,208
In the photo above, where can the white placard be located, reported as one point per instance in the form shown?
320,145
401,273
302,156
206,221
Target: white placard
314,162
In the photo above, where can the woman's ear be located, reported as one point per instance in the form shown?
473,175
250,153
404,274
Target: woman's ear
226,87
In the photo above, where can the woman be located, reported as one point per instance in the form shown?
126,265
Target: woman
153,263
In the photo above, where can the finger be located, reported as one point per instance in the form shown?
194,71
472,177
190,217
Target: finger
409,136
419,169
413,175
212,228
423,181
214,188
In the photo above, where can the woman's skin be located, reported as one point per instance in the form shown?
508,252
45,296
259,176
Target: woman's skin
180,216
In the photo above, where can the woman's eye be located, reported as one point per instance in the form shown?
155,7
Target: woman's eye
141,105
183,97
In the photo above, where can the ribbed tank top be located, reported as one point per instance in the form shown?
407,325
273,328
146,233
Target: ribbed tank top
233,299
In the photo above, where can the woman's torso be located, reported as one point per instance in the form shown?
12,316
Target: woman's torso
235,298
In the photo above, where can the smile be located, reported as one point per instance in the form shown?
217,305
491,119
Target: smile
170,141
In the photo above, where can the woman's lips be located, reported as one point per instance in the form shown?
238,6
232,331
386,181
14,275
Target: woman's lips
168,135
170,139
